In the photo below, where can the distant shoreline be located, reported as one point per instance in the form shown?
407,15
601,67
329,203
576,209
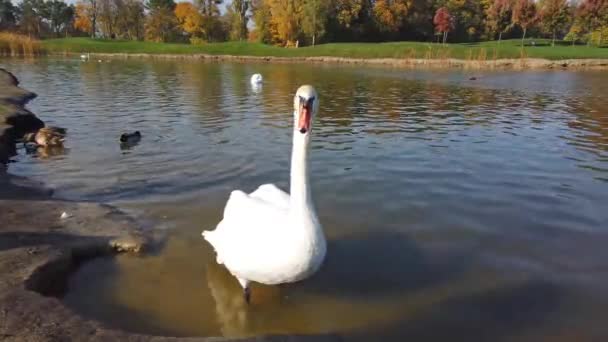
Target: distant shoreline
433,63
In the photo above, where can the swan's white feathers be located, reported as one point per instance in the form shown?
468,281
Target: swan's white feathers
266,236
273,195
238,236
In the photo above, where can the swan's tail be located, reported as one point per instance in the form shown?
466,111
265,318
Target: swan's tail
211,237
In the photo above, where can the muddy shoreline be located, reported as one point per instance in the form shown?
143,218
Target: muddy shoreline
39,248
444,63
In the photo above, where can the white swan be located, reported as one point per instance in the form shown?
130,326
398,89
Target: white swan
268,236
256,79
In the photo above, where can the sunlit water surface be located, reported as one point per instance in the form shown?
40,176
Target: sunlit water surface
455,209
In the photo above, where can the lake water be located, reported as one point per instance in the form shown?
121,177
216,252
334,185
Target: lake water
455,209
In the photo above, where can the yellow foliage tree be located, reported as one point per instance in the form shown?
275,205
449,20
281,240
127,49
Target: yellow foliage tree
81,21
189,19
390,14
348,11
285,16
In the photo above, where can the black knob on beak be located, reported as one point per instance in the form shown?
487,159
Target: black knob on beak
302,130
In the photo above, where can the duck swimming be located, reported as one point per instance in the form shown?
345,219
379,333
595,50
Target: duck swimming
47,136
130,137
270,236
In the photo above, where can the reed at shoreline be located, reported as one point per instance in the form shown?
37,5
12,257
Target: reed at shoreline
13,44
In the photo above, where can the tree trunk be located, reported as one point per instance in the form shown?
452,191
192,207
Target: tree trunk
523,38
599,43
313,39
553,41
499,37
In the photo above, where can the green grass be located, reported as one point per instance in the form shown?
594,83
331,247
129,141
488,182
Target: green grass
481,51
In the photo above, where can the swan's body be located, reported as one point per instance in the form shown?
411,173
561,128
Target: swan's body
256,79
269,236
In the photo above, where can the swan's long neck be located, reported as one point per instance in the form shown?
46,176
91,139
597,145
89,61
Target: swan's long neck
301,200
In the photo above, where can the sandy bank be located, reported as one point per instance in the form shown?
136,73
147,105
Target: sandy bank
39,249
515,64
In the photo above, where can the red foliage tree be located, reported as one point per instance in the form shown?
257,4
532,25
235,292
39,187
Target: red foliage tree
444,22
594,14
524,15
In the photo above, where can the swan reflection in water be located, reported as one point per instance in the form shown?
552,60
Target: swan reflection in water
235,317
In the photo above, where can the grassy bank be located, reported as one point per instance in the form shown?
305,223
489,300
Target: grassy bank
469,51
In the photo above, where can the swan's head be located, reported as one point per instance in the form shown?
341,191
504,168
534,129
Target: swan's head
305,105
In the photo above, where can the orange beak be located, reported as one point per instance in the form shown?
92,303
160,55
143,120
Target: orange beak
304,117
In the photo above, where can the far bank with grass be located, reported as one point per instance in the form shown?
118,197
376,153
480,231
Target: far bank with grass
508,49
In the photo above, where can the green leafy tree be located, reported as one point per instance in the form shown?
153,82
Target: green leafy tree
314,19
7,15
238,17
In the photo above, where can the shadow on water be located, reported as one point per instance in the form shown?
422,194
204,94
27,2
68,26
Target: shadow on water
379,263
500,314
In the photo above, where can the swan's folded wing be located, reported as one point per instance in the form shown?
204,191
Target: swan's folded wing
272,194
246,215
249,230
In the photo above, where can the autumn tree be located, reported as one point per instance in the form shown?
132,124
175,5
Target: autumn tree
594,15
161,23
554,16
314,19
286,14
499,16
444,22
390,15
468,18
264,27
189,19
524,15
213,27
130,19
237,14
82,21
7,15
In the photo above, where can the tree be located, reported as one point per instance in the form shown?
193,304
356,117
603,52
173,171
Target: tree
499,16
7,15
237,14
160,25
285,15
575,33
594,14
390,15
264,28
189,19
92,11
444,22
31,14
130,19
469,18
60,15
314,19
554,15
524,15
82,21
